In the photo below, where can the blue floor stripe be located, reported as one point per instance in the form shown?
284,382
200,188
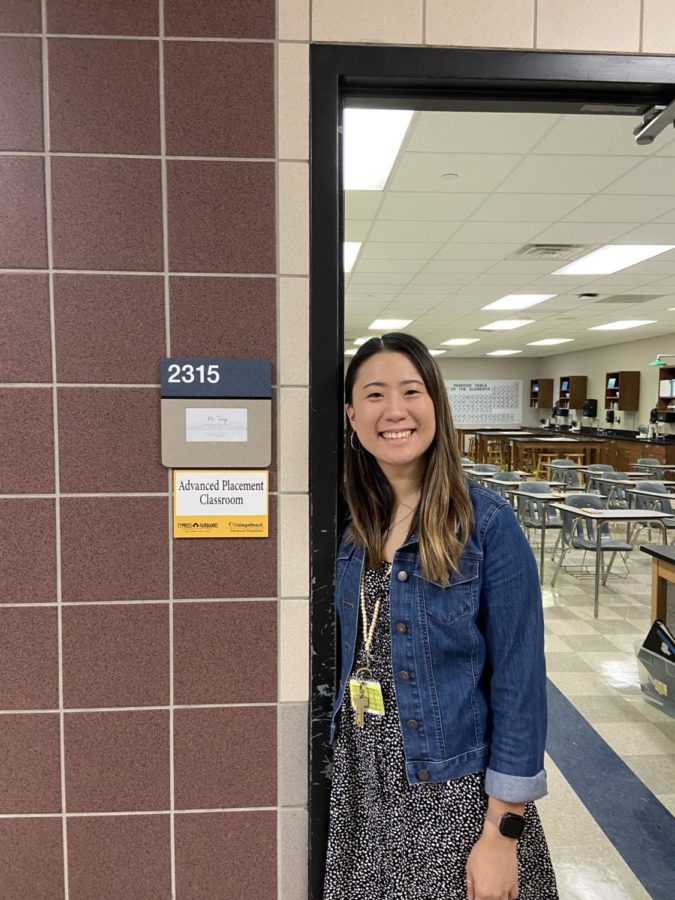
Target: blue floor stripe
634,820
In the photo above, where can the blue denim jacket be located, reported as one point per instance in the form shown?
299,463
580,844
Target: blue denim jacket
467,659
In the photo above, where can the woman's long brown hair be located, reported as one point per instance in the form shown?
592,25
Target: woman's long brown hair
444,517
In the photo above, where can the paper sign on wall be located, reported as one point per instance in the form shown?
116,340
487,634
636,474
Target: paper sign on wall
220,503
215,424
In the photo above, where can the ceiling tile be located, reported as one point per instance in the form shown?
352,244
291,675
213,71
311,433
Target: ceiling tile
653,233
457,266
566,174
484,232
409,266
594,135
417,232
584,232
543,208
477,251
478,172
524,267
468,132
356,230
408,206
362,204
607,208
399,250
651,176
379,278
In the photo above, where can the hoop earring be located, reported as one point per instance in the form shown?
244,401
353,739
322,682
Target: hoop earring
351,441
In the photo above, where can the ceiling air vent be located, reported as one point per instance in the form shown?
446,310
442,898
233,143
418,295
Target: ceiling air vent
630,298
555,252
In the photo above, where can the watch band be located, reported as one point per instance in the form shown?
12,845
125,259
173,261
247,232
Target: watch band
493,817
511,825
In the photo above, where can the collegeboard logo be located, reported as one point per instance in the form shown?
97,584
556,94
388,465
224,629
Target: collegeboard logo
200,525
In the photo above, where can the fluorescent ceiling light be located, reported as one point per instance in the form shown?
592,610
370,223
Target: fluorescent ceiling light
519,301
351,352
549,342
359,342
506,324
503,352
623,323
436,352
386,324
459,342
613,258
351,251
371,141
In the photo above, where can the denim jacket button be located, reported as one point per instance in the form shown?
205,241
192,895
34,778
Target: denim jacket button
402,576
423,775
404,676
412,723
400,627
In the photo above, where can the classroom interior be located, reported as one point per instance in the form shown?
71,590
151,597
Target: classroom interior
534,254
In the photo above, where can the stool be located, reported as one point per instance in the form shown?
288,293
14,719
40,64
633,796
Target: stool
495,453
542,458
529,459
472,447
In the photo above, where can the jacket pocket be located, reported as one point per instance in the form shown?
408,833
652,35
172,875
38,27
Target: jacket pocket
454,600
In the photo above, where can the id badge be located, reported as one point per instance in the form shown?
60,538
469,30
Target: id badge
372,691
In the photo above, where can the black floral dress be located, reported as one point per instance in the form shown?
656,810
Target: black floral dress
389,840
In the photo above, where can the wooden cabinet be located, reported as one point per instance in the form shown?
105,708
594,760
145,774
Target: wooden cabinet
623,454
623,389
541,393
572,391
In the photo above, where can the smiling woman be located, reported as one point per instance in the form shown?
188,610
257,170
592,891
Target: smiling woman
436,767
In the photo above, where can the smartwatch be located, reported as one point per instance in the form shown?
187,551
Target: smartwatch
510,825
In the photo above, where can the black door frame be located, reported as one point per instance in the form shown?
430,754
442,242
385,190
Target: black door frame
415,78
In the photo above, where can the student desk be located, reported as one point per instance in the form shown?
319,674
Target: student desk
600,517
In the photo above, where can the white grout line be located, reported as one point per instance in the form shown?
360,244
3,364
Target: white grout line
535,24
145,274
169,474
136,37
277,129
179,600
69,154
89,384
73,495
55,414
121,709
144,812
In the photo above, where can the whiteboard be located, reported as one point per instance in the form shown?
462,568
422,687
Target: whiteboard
486,402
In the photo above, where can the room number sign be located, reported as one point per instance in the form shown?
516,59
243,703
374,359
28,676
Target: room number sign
187,373
197,377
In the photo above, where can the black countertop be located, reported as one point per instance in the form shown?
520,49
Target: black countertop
665,552
583,435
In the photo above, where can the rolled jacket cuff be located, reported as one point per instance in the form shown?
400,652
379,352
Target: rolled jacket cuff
515,788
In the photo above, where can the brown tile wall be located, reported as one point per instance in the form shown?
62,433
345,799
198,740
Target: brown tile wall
138,677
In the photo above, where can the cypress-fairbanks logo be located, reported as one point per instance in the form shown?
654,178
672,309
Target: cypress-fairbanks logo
192,525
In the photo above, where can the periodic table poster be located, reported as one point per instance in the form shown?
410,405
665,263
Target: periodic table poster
486,402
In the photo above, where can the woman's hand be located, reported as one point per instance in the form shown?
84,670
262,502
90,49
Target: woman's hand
492,868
